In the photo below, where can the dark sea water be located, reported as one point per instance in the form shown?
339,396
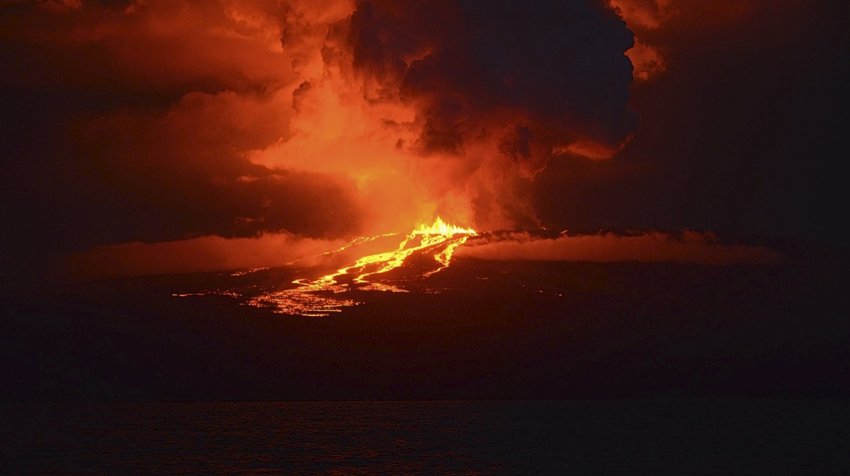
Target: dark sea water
442,437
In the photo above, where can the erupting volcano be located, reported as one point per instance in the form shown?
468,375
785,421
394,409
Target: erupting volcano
424,252
355,236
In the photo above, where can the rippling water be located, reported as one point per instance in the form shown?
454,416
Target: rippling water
604,437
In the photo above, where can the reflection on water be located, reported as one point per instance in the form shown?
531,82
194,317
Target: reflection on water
483,437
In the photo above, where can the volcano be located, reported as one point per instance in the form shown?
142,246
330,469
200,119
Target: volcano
346,327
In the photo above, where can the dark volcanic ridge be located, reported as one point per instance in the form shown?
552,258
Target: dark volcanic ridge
479,329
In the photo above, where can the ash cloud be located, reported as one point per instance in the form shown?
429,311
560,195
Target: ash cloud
463,102
525,78
157,120
549,72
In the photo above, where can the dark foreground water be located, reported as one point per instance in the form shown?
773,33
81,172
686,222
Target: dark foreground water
466,437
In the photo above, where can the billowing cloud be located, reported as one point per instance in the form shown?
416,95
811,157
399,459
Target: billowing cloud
454,106
188,118
474,67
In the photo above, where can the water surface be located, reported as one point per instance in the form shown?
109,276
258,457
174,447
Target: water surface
445,437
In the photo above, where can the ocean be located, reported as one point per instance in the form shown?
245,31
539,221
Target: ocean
657,437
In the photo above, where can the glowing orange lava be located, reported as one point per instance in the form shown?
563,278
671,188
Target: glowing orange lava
314,298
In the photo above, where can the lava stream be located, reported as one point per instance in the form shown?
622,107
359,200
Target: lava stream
438,240
314,298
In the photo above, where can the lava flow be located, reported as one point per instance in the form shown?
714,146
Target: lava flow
432,247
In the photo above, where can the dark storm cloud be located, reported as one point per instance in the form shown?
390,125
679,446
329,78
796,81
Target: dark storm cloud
549,73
